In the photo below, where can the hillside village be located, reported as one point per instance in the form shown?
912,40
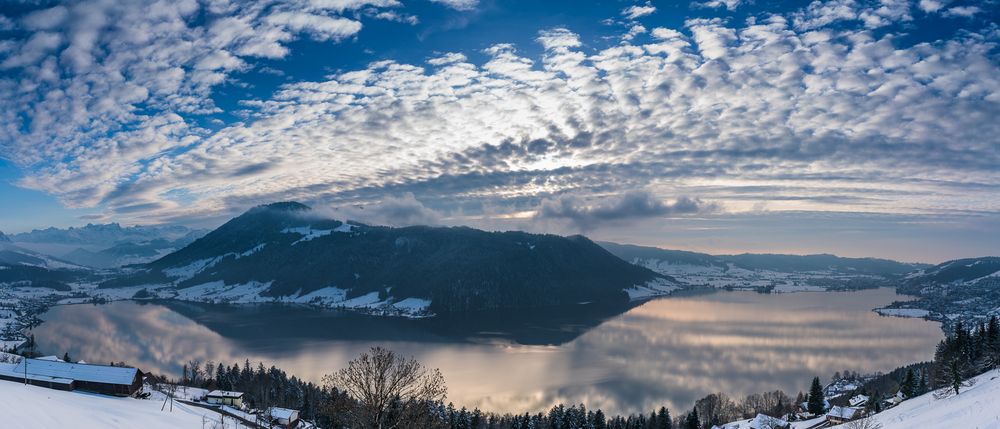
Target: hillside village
84,395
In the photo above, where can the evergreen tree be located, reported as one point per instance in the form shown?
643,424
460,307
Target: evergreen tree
600,422
663,419
66,357
692,422
816,399
909,385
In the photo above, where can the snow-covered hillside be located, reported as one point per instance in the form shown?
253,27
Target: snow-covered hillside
31,407
977,407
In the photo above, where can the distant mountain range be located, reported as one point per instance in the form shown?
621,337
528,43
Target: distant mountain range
107,245
765,271
284,251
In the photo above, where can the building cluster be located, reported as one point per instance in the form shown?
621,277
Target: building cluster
54,373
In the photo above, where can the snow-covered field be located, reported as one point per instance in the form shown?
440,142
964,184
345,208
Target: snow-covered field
977,407
654,288
32,407
903,312
731,276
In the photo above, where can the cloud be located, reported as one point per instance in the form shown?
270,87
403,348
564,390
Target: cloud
963,11
812,105
320,27
459,4
716,4
403,210
628,206
636,11
931,5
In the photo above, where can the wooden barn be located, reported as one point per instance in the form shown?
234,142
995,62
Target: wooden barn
55,374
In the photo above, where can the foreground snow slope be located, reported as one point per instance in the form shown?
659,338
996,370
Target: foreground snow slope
977,407
37,407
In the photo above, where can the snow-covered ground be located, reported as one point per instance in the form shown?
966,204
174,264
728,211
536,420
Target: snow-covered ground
977,407
748,424
33,407
903,312
731,276
653,288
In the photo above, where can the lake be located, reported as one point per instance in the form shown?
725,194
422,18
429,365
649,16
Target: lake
668,351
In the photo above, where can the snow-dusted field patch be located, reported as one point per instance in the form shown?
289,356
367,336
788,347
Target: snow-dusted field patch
903,312
33,407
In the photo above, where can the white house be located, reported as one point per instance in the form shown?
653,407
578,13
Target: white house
840,415
284,417
859,401
225,397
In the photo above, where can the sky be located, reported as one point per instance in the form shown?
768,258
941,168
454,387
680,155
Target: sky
860,128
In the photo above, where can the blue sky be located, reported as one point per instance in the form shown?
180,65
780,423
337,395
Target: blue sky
863,128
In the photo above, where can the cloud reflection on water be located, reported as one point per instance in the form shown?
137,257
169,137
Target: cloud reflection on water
664,352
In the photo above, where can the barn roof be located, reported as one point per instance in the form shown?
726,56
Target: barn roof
77,371
282,413
764,421
842,412
225,394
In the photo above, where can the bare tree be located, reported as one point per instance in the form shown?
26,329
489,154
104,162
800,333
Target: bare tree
390,391
863,423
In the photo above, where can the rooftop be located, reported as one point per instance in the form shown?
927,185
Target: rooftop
225,394
76,371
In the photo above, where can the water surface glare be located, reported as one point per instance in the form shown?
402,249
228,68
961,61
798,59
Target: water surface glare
668,351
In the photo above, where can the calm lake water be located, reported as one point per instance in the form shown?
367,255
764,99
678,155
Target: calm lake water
669,351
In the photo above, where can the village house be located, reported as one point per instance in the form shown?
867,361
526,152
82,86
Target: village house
840,415
762,421
859,401
895,400
56,374
284,417
225,397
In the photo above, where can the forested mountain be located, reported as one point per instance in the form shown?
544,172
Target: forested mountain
24,267
963,290
766,272
771,262
285,250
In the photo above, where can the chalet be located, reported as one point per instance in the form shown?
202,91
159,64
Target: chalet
225,397
840,415
56,374
859,401
284,417
895,400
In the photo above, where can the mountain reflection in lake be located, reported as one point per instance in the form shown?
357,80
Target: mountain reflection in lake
665,352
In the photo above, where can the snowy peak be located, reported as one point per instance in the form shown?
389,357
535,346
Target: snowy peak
4,238
102,235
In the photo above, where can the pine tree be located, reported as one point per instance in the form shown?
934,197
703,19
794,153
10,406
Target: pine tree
816,400
909,384
692,422
66,357
663,419
600,422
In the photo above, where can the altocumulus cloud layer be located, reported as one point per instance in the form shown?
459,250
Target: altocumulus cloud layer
826,109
